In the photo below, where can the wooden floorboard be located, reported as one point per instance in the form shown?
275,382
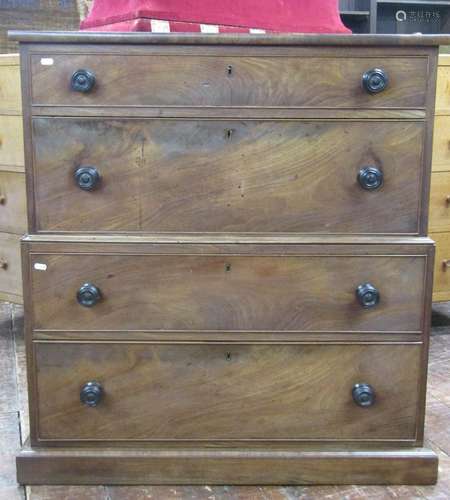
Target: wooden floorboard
14,429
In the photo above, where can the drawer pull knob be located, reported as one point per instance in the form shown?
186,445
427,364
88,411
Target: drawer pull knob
375,80
91,394
368,295
88,295
82,81
3,265
363,395
2,199
370,178
87,178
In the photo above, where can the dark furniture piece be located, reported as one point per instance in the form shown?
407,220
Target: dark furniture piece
227,274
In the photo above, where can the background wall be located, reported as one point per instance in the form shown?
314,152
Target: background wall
39,15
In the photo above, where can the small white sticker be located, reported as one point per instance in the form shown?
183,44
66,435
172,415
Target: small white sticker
160,26
40,267
209,28
47,61
254,31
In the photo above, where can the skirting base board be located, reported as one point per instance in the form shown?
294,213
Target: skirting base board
225,466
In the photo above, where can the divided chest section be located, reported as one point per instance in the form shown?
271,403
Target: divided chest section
227,242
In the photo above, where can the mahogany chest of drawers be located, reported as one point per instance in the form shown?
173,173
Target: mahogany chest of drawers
227,276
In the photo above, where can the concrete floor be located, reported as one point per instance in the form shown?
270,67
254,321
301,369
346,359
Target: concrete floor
14,429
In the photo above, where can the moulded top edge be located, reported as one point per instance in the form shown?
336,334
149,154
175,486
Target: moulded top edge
292,39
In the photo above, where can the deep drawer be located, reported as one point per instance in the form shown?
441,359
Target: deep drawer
226,392
227,176
228,291
333,81
10,268
13,210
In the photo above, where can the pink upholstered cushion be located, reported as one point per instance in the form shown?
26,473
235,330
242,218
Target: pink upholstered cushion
289,16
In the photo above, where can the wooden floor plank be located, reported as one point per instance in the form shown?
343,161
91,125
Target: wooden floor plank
9,446
20,368
8,392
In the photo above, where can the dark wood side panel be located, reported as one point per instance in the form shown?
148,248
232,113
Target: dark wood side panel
220,392
186,79
228,175
227,292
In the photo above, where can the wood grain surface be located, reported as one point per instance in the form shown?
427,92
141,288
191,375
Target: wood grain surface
228,292
217,80
221,392
440,202
10,94
10,270
11,143
227,175
13,209
275,39
441,144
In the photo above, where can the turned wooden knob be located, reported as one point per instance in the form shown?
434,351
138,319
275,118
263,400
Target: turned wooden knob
87,178
88,295
82,81
368,295
375,80
370,178
91,394
363,395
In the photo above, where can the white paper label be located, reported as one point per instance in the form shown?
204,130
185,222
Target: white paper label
209,28
40,267
160,26
47,61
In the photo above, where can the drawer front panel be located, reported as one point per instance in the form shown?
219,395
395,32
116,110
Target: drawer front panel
441,144
192,293
11,142
10,98
10,266
440,202
227,392
227,176
183,80
441,283
13,209
443,90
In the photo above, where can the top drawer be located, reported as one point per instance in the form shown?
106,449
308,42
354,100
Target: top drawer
333,80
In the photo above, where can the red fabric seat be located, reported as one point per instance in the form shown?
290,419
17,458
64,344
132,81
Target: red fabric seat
288,16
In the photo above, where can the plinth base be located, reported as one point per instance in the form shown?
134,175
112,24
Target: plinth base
225,466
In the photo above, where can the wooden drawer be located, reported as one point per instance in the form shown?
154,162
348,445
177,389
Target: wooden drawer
439,219
441,144
331,80
10,268
13,210
211,290
443,87
226,392
441,284
10,92
11,142
227,176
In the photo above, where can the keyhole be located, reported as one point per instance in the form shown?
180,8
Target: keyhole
230,70
229,133
227,267
228,356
